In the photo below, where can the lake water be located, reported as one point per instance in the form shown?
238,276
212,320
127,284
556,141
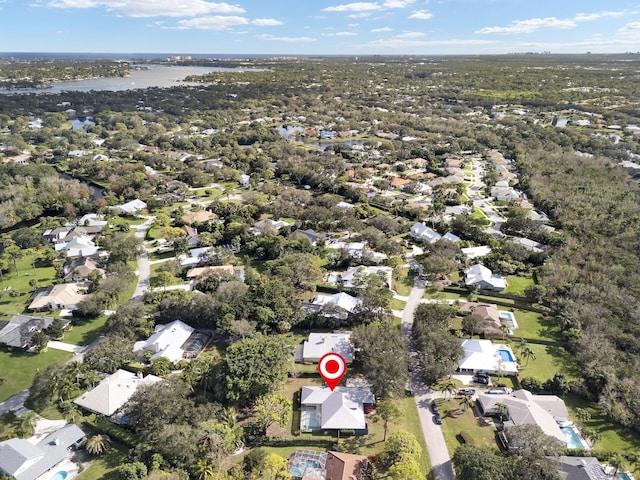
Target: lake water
155,76
290,133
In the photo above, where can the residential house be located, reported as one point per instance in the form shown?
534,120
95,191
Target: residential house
327,134
502,192
351,276
524,408
268,226
195,274
81,246
310,235
319,344
113,392
133,207
92,220
581,468
485,356
201,216
55,235
344,408
398,182
19,330
480,276
420,231
79,269
529,244
450,237
192,235
338,305
489,313
62,296
194,257
345,466
167,341
476,252
24,460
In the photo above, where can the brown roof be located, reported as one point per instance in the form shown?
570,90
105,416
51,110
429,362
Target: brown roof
488,311
199,216
196,272
345,466
191,232
398,182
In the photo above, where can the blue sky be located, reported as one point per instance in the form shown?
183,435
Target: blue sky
317,27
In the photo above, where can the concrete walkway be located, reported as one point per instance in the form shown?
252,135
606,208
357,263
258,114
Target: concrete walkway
433,437
67,347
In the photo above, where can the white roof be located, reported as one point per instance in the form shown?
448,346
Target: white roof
478,274
132,207
422,232
113,392
484,355
319,344
193,258
476,252
351,273
167,340
342,300
340,409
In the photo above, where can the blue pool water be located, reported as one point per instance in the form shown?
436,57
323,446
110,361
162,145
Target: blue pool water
506,355
61,475
299,468
573,440
311,422
195,345
506,315
624,476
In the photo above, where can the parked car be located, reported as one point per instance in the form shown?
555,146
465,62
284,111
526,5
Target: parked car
434,407
481,374
438,419
482,380
467,391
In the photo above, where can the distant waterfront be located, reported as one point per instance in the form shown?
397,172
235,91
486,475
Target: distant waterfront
154,76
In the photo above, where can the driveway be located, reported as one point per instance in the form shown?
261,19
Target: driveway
144,269
14,403
438,452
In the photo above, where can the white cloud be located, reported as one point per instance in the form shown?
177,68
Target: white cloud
351,25
266,22
340,34
398,3
286,39
152,8
353,7
410,35
398,43
587,17
531,25
632,27
215,22
383,29
421,15
359,15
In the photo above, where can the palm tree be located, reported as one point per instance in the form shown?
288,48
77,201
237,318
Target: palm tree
504,328
467,402
502,410
28,423
619,462
527,353
448,387
98,444
204,470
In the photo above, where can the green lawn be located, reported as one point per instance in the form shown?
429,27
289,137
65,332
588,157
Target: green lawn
614,437
549,360
397,304
19,368
404,284
516,284
86,333
535,326
13,281
456,419
104,466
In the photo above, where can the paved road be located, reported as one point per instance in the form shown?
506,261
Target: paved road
438,452
14,403
144,269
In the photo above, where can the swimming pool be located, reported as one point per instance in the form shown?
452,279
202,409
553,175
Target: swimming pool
625,476
299,468
309,421
572,438
506,355
196,345
61,475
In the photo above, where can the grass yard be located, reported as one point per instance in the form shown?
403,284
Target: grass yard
517,284
614,437
104,467
404,284
397,304
19,368
532,325
85,333
13,282
438,294
548,361
456,419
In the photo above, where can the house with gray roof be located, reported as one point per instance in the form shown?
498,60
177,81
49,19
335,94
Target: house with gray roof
18,331
23,460
319,344
581,468
344,408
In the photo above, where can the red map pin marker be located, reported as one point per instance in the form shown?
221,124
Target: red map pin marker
332,367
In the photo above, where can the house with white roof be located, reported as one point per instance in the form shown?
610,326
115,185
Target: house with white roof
486,356
267,225
61,296
81,246
344,408
194,257
92,220
130,208
450,237
167,341
524,408
350,277
476,252
484,278
502,192
319,344
23,459
529,244
113,392
420,231
338,305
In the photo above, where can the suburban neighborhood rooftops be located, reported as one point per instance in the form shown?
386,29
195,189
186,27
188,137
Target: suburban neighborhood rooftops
319,344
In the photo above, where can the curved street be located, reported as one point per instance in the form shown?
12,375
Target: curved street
423,395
